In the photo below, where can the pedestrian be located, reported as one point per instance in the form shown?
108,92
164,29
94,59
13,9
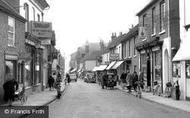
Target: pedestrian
10,86
141,80
123,80
177,92
68,78
104,79
129,81
51,82
58,85
135,80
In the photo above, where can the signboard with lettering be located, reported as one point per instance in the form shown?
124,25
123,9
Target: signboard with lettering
142,33
114,56
46,41
41,29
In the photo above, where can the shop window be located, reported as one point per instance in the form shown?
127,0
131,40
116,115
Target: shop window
187,68
10,69
157,65
11,31
176,69
28,74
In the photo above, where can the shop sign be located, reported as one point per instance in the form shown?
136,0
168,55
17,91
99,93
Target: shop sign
41,29
46,42
142,33
114,56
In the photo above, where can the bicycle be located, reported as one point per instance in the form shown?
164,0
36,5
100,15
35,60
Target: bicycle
20,95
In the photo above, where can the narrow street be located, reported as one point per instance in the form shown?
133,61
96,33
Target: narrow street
82,100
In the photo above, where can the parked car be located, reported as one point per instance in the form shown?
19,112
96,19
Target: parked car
89,78
73,77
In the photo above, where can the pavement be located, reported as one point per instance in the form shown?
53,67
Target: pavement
39,98
169,102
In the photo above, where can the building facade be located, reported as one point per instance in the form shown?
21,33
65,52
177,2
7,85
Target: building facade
12,44
158,40
130,55
35,68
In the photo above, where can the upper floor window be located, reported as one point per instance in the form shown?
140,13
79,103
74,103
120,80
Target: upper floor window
38,17
26,8
34,13
129,48
134,46
162,14
11,31
143,20
153,21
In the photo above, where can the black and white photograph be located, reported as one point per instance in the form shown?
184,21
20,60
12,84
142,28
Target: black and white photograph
94,59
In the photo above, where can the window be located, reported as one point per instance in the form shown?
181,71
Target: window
11,31
134,46
26,8
38,17
10,69
176,69
129,48
162,15
153,21
34,13
157,65
144,16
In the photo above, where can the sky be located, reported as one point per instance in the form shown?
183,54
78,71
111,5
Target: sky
78,21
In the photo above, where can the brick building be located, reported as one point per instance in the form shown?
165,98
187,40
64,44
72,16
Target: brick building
158,40
12,46
129,52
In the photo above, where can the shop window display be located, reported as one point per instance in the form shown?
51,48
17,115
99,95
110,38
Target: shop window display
10,68
176,69
28,81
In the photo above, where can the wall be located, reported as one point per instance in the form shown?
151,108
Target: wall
19,43
31,13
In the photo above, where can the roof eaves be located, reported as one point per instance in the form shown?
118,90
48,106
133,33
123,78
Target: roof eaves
146,7
6,8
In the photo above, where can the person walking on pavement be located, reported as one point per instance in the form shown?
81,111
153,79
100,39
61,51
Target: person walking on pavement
10,86
104,80
68,78
123,80
129,81
135,80
51,82
58,85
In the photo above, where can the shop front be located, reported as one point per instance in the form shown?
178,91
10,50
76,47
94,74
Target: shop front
181,69
151,63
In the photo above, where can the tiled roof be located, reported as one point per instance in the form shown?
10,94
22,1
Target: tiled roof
6,8
147,7
115,41
131,33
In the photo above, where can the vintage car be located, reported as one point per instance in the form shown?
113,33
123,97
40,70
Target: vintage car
89,78
73,77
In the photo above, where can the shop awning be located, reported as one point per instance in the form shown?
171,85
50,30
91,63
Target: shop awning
73,70
95,68
183,52
117,64
101,67
111,65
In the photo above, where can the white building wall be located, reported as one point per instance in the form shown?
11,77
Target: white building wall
32,5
